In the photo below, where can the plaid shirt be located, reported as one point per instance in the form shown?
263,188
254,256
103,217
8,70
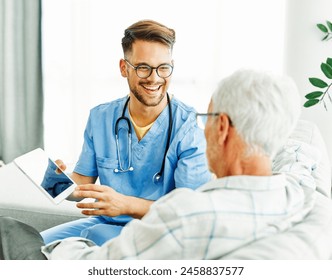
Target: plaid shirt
219,217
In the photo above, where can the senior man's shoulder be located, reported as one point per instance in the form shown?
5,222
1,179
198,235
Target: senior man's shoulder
184,201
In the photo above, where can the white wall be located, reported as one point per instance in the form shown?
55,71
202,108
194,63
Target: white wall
82,48
304,52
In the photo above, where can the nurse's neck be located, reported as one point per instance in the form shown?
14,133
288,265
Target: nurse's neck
144,115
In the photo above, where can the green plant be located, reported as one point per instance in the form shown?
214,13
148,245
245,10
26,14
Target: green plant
318,96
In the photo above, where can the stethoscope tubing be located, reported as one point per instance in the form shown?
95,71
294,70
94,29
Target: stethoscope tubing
159,174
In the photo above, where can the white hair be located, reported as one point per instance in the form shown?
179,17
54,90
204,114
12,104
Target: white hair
264,108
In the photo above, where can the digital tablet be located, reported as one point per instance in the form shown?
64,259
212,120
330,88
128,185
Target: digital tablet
46,175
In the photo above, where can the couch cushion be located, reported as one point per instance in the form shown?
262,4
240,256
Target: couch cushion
20,199
308,132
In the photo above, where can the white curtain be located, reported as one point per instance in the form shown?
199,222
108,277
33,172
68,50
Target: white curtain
21,96
82,49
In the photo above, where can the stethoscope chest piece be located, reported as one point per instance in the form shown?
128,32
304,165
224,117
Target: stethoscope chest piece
156,178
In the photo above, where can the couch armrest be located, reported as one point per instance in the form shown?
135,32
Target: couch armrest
20,198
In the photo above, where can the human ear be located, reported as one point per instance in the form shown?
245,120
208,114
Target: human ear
123,68
223,128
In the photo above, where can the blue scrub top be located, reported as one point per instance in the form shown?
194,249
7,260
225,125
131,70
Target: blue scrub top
185,164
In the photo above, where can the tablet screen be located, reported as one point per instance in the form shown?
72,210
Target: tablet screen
46,175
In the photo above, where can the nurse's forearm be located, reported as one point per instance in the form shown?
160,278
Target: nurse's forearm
138,207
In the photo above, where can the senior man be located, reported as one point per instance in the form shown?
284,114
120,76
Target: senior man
250,116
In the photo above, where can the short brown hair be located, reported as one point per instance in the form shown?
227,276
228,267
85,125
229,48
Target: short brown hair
147,30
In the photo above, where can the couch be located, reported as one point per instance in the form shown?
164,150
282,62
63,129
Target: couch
20,199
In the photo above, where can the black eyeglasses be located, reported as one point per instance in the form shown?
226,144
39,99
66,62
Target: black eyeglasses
144,71
202,118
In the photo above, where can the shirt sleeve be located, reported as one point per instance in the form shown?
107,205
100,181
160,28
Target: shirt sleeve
192,169
86,164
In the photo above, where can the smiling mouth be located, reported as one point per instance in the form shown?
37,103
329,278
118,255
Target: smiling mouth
152,88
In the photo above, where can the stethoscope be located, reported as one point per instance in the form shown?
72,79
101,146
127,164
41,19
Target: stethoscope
121,169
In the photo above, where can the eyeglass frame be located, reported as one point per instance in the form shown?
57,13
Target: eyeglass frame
213,115
151,69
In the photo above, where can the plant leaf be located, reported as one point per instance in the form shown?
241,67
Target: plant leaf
311,102
327,70
318,82
314,94
325,37
322,27
329,61
329,25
